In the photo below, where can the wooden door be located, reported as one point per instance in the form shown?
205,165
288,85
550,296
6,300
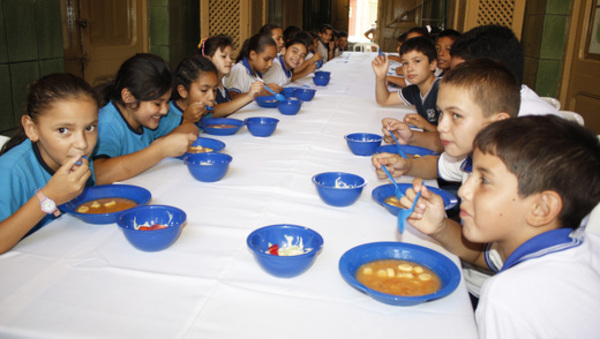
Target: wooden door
102,34
395,17
580,91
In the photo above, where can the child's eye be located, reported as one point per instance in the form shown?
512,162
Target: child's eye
456,116
63,130
484,180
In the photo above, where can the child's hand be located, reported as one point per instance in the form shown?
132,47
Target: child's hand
255,88
68,181
275,87
380,66
429,216
420,122
195,111
395,164
176,144
401,130
317,56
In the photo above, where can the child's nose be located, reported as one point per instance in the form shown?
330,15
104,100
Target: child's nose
80,141
164,108
466,189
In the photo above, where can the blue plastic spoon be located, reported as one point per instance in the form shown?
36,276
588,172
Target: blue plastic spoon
400,151
210,109
398,193
404,214
278,96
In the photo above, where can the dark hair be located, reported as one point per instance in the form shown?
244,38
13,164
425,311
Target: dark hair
308,38
422,31
209,46
268,28
256,43
491,41
296,41
342,34
290,32
188,71
146,76
402,37
419,44
315,35
490,84
325,27
548,153
449,33
46,92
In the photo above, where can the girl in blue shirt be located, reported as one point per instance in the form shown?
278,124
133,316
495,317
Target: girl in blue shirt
45,163
219,50
135,131
195,88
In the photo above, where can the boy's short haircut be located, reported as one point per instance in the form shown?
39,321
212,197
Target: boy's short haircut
549,153
342,34
290,32
491,41
325,27
419,44
490,84
420,30
402,37
295,41
449,33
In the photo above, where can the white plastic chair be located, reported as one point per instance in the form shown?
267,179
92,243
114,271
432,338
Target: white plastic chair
3,140
365,47
593,223
572,116
552,101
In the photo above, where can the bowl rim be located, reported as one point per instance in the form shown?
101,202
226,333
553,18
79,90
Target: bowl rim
150,207
314,180
261,120
290,102
226,157
210,121
146,195
350,277
348,137
290,226
453,200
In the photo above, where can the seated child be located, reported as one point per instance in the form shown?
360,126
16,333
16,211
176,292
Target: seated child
342,43
534,179
45,163
255,59
290,32
419,63
312,61
219,50
291,57
443,43
276,33
325,43
472,96
135,128
194,88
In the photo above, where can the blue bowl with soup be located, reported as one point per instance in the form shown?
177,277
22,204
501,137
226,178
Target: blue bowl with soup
266,101
363,144
153,227
208,167
385,196
284,250
414,275
204,145
339,189
104,203
221,126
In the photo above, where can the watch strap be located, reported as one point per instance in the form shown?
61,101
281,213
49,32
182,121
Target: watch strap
42,198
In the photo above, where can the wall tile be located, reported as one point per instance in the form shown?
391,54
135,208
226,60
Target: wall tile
176,20
49,33
19,17
530,69
50,66
548,77
7,118
554,36
22,74
161,51
558,7
3,42
159,25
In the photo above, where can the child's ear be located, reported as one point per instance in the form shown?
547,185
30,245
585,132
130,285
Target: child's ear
182,91
127,97
252,55
283,50
30,128
545,209
433,65
500,116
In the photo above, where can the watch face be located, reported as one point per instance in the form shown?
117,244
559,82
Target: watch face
48,206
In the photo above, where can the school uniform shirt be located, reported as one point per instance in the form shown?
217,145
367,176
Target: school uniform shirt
425,105
324,49
278,73
548,288
116,137
23,171
222,95
241,77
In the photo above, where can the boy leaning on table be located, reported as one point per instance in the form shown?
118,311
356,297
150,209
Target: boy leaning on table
534,179
473,95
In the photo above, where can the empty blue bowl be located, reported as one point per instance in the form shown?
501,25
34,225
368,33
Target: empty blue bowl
339,189
208,167
305,94
363,143
261,126
407,149
288,92
156,239
221,126
266,101
289,106
261,239
138,194
448,272
321,81
383,192
323,74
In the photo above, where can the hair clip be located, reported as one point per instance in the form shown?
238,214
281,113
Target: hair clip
202,43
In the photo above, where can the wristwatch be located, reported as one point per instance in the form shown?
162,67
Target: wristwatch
48,205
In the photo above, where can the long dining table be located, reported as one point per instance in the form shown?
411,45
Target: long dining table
72,279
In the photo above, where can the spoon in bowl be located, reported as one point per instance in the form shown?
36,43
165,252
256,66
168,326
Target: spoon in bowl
278,96
405,213
398,193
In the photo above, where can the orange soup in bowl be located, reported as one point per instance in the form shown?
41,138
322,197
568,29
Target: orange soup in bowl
105,205
398,277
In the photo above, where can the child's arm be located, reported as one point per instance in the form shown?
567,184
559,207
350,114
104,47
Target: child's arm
380,66
429,218
405,135
424,167
174,144
67,183
420,122
399,81
240,101
307,69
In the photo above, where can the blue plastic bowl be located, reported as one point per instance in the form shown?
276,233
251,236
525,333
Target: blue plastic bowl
289,106
208,167
284,266
323,74
383,192
152,240
321,81
305,94
349,187
211,126
266,101
138,194
351,261
408,149
261,126
363,143
214,144
288,92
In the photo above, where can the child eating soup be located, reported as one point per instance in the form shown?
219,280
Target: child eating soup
194,88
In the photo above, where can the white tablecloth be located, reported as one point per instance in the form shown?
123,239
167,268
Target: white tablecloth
72,279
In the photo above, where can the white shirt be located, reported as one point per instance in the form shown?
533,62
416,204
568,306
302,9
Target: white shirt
278,74
240,78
